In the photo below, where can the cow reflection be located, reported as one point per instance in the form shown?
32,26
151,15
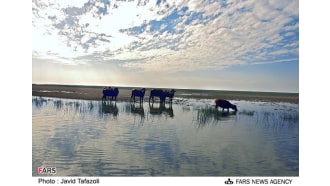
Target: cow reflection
137,109
161,109
110,108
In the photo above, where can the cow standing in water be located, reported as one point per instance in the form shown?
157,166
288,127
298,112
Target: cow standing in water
157,93
138,93
169,94
162,94
224,104
110,92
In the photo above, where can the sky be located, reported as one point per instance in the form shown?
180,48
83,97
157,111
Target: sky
223,45
16,71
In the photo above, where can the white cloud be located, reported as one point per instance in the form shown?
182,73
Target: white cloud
217,37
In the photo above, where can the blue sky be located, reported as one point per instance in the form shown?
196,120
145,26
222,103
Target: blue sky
226,45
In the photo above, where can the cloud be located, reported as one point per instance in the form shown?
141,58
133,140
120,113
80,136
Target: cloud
171,36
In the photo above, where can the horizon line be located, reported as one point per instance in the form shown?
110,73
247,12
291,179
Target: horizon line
149,87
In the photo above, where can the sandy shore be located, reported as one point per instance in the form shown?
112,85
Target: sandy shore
95,93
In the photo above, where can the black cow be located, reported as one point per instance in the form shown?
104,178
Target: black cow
111,92
169,94
139,93
224,104
157,93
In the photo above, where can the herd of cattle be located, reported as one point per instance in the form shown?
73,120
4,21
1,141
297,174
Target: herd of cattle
161,94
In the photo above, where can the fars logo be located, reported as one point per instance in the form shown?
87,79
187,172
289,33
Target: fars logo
46,170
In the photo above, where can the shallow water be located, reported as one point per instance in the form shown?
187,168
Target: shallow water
191,138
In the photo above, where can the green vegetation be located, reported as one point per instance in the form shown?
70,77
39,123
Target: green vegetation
290,117
245,112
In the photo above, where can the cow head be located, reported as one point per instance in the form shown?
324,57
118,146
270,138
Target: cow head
234,107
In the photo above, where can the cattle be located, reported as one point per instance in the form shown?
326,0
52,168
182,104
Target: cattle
111,92
169,94
157,93
224,104
138,93
162,94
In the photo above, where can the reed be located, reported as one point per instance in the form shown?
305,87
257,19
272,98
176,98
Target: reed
211,115
291,117
38,101
246,112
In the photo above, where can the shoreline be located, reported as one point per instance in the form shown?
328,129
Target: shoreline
95,93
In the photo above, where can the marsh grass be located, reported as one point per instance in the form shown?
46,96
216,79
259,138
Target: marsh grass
39,101
58,104
246,112
203,113
291,117
207,114
211,115
277,120
269,120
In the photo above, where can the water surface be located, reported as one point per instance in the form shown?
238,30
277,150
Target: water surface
189,138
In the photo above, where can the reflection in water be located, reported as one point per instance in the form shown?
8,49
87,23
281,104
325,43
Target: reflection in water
136,109
80,139
38,101
161,109
110,108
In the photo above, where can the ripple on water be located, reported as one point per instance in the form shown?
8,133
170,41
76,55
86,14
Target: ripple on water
192,138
